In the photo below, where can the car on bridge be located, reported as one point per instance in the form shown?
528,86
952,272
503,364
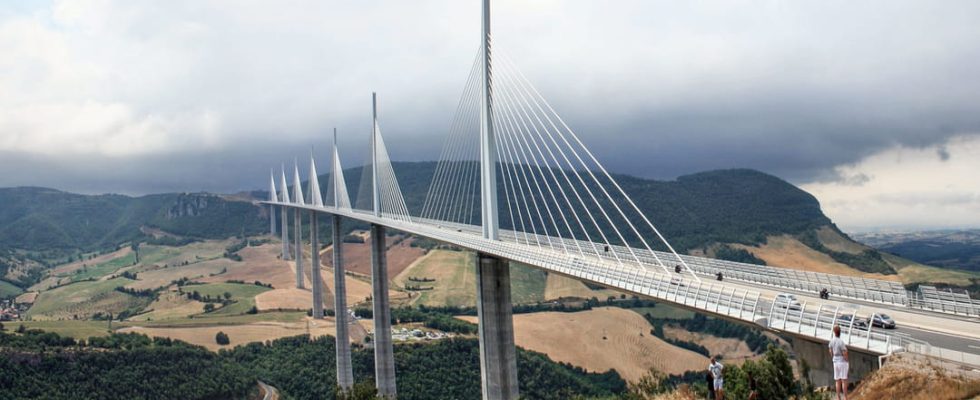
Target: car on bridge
786,300
883,321
845,322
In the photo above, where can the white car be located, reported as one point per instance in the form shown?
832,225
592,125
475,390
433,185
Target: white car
786,300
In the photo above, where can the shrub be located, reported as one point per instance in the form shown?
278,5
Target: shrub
221,338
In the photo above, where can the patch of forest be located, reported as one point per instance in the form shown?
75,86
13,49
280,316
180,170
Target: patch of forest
35,364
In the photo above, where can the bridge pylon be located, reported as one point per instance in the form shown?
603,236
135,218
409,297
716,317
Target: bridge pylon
284,197
384,355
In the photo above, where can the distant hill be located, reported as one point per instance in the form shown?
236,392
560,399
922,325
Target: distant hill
958,249
725,206
40,219
40,226
737,214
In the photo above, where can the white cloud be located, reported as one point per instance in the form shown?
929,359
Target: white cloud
908,188
656,88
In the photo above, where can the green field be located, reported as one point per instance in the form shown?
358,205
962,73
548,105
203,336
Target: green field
219,320
243,296
75,329
527,284
83,299
8,290
664,311
84,329
99,270
455,279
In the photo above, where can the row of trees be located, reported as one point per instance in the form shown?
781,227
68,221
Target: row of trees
131,366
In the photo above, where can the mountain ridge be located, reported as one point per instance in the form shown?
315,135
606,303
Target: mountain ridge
699,212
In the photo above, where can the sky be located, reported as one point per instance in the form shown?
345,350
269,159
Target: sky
873,106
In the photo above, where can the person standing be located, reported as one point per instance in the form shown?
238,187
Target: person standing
711,385
838,353
716,372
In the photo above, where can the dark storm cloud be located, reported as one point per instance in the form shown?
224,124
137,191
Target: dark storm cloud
137,98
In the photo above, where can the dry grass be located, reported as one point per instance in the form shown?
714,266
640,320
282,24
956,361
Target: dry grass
834,241
682,393
286,299
259,263
190,253
357,256
83,299
152,279
909,377
787,252
69,268
49,282
26,298
170,305
358,291
240,334
602,339
558,286
733,350
455,279
924,273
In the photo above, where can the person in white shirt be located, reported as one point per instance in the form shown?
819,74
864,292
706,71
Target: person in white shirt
715,368
838,353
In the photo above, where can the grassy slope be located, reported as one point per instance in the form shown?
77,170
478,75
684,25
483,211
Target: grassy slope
103,269
8,289
242,295
84,299
455,280
785,251
527,284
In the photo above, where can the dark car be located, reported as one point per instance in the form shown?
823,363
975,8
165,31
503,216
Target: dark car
883,321
845,322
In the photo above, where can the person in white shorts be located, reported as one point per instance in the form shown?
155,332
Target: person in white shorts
838,352
715,368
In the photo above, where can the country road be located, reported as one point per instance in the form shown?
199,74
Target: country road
270,392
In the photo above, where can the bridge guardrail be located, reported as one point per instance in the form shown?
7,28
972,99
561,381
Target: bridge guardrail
710,296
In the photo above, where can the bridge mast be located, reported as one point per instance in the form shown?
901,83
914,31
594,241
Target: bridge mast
488,149
345,375
374,155
498,356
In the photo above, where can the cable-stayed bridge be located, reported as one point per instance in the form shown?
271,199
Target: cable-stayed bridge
514,183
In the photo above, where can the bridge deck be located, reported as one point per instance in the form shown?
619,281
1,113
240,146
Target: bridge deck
710,297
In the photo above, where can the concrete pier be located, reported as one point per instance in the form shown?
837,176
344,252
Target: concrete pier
285,233
817,357
298,222
498,357
272,220
315,278
384,360
345,374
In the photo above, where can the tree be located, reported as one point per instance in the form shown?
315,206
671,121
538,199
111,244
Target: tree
209,307
363,390
136,250
221,338
227,296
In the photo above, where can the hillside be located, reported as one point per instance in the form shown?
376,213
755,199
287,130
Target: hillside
905,376
724,206
39,219
43,227
739,214
958,249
